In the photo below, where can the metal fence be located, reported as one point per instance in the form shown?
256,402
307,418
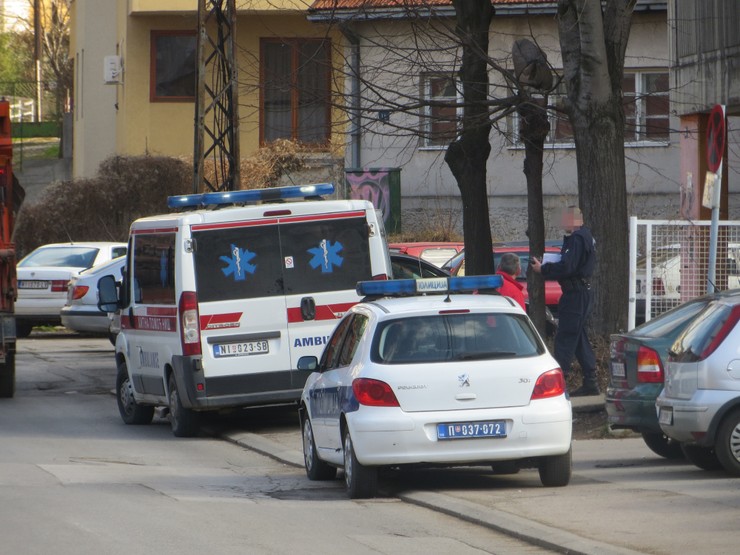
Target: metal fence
669,263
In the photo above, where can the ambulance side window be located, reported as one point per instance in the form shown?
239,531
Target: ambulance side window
154,268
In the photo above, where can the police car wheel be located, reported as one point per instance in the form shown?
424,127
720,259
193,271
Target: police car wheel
361,481
184,422
316,469
131,411
555,471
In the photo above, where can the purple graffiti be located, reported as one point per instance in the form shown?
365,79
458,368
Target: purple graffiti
373,186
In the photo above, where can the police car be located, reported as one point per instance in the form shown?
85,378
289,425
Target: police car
423,372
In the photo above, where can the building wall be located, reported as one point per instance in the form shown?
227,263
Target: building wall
652,169
93,36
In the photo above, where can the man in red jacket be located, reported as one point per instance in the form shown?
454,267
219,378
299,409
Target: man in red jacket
510,268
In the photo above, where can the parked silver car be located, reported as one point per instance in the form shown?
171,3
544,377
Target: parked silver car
81,312
700,403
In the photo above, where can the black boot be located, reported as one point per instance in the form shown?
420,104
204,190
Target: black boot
589,387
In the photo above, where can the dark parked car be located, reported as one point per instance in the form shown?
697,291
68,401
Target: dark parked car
406,266
638,360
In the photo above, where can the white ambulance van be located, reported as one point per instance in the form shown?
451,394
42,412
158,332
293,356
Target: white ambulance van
220,299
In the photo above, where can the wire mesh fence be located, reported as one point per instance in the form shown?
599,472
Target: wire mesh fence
23,98
669,263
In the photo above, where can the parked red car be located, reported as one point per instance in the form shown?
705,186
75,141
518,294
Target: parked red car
435,252
456,267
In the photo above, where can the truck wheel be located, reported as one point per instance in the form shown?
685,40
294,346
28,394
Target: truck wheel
727,445
7,376
662,445
185,422
131,411
703,457
23,329
361,481
555,471
316,469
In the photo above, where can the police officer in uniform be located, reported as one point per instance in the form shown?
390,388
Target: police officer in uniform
573,272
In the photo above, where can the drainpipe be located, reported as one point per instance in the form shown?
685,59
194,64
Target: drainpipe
355,121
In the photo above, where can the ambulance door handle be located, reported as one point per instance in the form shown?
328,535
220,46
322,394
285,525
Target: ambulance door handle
308,308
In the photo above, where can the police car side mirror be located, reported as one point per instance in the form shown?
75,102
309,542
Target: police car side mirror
108,294
308,364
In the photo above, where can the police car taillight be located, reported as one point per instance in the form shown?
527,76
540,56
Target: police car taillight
549,384
374,393
189,323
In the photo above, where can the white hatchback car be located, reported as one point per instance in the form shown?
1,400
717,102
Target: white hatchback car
43,276
450,379
81,312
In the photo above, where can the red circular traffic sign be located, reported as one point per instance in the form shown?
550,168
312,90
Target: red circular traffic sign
716,138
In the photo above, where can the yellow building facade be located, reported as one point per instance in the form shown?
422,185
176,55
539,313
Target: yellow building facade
148,106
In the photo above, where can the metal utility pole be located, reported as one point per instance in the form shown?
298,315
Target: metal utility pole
216,99
37,53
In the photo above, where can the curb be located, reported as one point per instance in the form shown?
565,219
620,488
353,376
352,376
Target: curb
503,522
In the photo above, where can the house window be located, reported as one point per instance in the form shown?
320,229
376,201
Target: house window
439,117
173,66
646,111
646,107
295,100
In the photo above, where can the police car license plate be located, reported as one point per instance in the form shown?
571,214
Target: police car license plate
33,284
467,430
244,348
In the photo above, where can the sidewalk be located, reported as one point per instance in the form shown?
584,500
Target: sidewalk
286,447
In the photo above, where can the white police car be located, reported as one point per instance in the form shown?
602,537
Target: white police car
451,379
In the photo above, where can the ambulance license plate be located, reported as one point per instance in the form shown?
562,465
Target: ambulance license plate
245,348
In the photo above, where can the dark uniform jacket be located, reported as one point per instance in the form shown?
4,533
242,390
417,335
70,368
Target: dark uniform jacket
577,260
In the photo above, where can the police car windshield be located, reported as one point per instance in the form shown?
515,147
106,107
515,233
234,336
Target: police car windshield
61,257
450,337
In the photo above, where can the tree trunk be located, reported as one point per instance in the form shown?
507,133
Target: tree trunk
467,156
534,129
593,44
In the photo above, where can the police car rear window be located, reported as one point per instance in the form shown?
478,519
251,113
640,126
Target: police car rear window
291,258
455,337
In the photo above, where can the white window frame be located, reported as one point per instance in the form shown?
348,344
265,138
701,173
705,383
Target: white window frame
425,118
639,74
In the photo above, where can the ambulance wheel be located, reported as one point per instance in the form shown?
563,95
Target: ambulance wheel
131,411
185,422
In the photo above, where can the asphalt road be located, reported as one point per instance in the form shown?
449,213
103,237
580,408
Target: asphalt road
622,498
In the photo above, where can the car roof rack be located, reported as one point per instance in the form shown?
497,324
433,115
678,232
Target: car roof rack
427,286
251,196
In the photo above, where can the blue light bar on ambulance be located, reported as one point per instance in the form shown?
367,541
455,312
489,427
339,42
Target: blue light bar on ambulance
250,195
400,287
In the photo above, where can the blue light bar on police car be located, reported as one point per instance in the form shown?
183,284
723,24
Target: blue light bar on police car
398,287
250,195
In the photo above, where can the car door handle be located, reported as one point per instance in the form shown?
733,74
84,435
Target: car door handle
308,308
466,396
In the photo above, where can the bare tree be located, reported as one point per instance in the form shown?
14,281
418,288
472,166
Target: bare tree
593,41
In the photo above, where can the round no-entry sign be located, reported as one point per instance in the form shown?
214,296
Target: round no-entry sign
716,132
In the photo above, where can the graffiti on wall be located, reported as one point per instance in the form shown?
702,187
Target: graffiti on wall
372,185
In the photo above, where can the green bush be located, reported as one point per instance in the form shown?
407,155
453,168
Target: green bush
102,208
